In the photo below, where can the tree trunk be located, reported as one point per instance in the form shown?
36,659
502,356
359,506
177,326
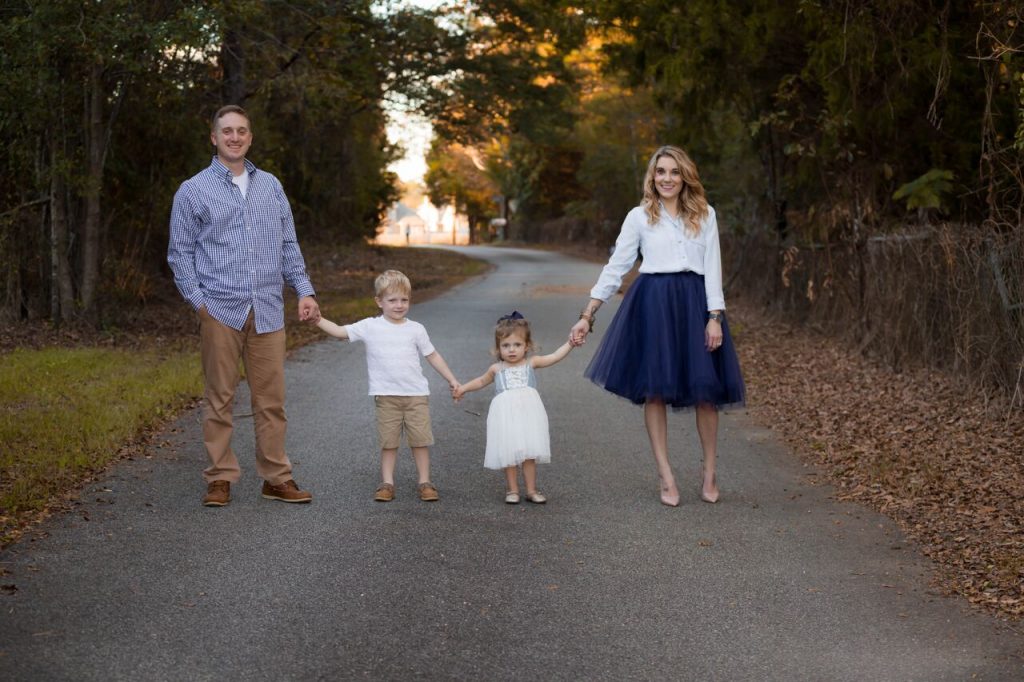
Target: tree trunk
62,290
232,64
96,140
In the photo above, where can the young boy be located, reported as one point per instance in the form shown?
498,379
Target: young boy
394,345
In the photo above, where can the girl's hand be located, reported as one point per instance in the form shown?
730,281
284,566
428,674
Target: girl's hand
713,335
457,392
578,333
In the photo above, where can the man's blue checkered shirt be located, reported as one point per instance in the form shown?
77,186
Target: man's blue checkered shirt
233,254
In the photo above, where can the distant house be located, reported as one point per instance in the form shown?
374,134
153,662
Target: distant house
427,224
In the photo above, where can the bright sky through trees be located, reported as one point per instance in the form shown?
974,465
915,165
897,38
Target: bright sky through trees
411,131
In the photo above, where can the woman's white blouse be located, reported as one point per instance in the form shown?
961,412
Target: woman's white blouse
666,247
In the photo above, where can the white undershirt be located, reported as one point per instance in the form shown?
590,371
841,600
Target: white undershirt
242,181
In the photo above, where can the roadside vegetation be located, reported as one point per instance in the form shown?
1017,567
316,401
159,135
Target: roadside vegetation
72,401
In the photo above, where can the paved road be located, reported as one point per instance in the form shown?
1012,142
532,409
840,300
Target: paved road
603,583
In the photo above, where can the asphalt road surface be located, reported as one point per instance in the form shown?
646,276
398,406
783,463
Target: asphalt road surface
776,582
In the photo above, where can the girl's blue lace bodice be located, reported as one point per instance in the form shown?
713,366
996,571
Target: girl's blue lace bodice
520,376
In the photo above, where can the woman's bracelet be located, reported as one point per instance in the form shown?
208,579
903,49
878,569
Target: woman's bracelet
589,317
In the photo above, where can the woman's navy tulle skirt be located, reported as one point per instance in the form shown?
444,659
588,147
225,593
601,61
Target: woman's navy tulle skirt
654,347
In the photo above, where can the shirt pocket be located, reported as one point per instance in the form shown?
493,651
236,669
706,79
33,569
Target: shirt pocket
694,250
225,223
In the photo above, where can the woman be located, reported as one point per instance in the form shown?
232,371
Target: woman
669,343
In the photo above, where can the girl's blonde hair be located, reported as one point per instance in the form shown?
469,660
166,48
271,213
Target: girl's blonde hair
692,202
392,281
509,325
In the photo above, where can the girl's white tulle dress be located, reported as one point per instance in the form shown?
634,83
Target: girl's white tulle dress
517,424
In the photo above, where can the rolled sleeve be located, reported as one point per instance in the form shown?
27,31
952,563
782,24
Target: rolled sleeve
622,258
713,263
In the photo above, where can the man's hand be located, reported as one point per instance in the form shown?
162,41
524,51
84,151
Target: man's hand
309,310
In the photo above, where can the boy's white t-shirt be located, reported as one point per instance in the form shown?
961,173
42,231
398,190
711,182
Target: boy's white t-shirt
393,354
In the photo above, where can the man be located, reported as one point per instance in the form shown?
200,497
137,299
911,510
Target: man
232,247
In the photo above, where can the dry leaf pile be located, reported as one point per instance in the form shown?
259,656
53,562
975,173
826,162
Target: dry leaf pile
916,445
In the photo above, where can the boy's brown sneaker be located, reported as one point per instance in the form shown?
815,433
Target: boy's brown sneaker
218,494
428,493
385,493
286,492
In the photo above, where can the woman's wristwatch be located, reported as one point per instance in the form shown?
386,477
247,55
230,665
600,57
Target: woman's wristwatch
717,316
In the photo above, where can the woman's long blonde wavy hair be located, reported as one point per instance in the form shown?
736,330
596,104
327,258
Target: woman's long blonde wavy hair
692,202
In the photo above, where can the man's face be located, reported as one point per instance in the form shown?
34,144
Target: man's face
232,137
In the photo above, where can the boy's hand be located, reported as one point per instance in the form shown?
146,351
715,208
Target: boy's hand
457,392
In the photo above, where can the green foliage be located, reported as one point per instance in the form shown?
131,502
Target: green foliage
511,99
64,413
313,74
615,136
457,174
843,102
927,191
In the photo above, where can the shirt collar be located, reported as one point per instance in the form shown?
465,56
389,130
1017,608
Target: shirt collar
665,215
222,170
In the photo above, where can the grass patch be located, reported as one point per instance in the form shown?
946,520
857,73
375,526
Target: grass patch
66,412
70,400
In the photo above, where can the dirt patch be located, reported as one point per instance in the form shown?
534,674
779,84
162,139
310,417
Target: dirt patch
338,272
555,290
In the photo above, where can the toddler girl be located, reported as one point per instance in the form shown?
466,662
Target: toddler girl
517,425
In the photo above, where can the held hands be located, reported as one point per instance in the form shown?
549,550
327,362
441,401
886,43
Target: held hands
457,391
309,310
578,333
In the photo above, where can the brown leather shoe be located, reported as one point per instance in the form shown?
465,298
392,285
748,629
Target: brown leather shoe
218,494
286,492
428,493
385,493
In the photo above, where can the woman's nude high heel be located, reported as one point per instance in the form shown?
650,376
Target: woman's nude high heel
666,499
714,481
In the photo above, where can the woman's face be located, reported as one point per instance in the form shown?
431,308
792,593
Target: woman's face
668,178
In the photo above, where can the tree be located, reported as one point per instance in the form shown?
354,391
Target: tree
457,175
103,109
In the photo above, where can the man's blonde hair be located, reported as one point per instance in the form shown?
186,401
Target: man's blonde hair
391,282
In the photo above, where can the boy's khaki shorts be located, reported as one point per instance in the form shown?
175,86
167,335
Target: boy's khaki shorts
409,411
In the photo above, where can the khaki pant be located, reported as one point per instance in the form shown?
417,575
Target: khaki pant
263,355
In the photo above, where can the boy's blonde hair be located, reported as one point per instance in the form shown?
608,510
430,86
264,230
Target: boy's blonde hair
391,282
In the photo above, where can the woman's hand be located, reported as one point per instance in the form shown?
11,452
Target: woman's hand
578,333
713,335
